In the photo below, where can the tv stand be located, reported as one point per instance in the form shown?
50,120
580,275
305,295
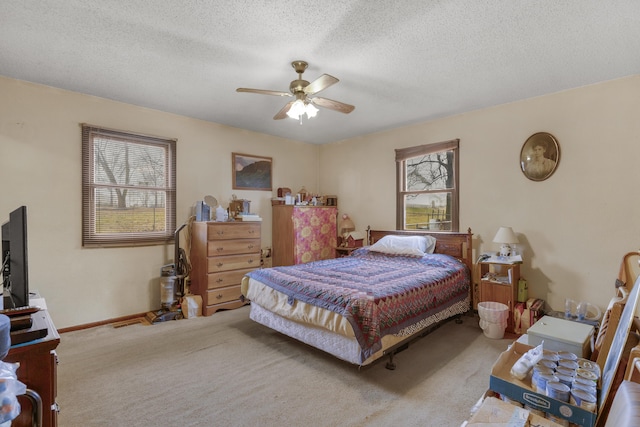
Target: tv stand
38,367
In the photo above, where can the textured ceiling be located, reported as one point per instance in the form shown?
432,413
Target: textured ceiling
399,62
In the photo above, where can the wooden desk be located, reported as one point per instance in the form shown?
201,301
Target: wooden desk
38,367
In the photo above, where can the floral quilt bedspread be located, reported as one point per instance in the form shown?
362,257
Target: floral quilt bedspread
379,294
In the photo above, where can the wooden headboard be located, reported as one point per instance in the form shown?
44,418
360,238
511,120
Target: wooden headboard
451,243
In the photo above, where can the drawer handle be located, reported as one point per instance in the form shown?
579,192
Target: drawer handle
251,231
250,247
219,296
250,261
219,232
219,249
220,280
220,264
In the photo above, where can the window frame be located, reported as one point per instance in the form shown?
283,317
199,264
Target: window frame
403,154
91,239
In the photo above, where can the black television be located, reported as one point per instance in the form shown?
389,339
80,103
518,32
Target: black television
15,271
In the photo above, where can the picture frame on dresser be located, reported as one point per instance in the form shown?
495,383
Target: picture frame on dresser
251,172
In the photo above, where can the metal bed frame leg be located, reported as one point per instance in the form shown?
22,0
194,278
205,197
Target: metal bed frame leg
391,364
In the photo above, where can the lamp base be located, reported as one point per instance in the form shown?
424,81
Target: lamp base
505,250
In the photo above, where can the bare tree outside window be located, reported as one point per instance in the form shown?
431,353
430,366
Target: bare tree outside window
427,187
128,188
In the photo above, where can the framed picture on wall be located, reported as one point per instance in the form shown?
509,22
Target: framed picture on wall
251,172
539,156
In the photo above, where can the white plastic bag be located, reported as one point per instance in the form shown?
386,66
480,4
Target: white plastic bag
526,362
10,388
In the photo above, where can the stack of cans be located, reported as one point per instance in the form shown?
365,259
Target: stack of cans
568,378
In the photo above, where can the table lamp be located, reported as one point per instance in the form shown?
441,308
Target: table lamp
346,226
506,237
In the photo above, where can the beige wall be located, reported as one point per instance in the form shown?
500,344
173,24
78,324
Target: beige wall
40,167
574,227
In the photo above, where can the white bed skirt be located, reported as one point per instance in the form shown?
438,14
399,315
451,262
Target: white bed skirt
340,346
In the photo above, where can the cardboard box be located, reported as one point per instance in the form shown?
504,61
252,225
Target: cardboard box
502,382
495,412
525,314
562,335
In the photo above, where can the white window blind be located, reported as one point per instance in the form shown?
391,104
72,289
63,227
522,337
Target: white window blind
128,188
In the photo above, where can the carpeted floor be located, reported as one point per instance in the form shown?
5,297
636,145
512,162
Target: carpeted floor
226,370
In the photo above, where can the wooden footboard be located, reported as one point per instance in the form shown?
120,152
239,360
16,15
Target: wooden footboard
455,244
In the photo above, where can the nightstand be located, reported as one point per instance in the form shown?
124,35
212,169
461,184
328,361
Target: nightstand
499,283
343,251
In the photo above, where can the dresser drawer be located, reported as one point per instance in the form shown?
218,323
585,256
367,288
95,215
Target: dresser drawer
227,278
222,295
233,262
231,247
234,230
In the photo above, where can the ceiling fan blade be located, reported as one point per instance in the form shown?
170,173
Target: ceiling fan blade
321,83
333,105
282,114
263,92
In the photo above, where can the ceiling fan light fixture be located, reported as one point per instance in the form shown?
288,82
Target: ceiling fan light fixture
297,109
300,108
311,110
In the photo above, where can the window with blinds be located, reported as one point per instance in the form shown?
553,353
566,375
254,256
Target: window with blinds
128,188
427,187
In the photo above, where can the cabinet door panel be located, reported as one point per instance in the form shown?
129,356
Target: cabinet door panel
498,292
314,233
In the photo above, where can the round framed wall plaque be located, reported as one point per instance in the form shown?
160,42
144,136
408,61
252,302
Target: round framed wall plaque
539,156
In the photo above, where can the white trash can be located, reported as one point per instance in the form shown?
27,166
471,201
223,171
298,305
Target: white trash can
493,318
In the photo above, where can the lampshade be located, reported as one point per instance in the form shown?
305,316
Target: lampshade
311,110
347,225
296,110
505,235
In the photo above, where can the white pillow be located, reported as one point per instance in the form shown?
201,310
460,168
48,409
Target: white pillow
405,245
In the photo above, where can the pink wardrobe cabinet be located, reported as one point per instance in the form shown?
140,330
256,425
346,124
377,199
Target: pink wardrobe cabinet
303,234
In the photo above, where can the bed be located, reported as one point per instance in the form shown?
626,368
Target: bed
372,303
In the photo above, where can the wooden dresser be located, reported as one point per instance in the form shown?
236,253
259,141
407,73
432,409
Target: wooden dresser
221,254
303,233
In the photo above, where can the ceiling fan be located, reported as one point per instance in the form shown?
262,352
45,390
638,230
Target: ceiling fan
303,91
